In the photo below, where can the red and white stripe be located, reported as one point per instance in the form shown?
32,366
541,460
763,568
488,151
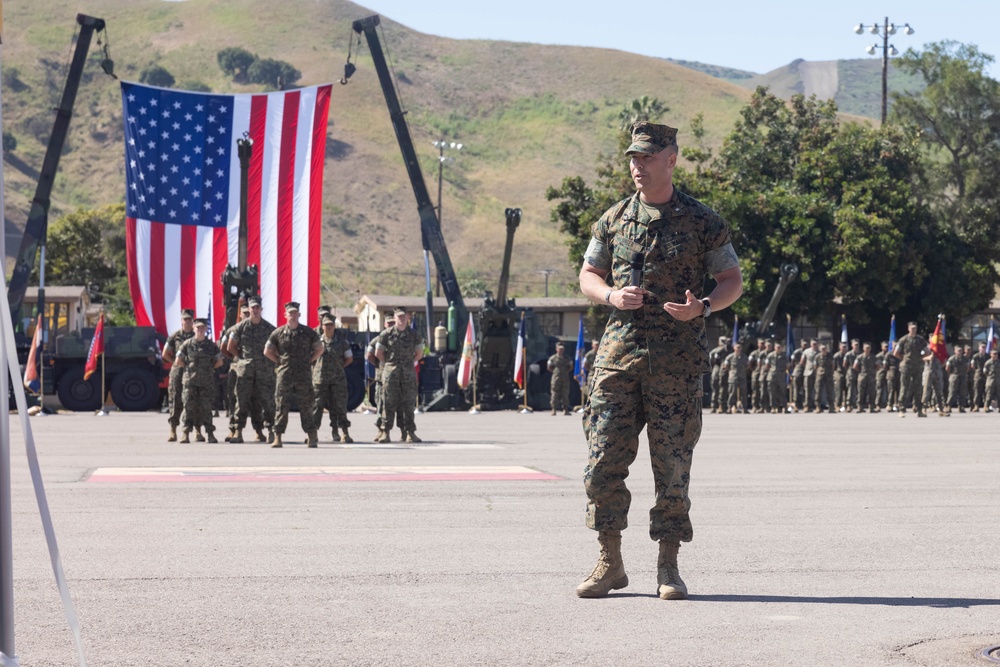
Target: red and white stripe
172,267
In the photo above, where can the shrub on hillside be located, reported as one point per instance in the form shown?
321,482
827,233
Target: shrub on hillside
236,62
157,75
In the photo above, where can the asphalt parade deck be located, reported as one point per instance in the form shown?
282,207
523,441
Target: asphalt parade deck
819,539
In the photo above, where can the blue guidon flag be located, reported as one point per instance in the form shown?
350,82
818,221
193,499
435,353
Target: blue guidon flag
182,198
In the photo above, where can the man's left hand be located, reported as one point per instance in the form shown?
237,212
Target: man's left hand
685,311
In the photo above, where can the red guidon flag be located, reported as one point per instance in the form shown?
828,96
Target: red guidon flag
182,198
938,345
96,349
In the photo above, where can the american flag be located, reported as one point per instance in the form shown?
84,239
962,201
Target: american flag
182,197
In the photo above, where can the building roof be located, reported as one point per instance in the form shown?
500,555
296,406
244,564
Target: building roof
59,292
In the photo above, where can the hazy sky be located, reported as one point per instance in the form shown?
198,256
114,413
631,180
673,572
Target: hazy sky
755,35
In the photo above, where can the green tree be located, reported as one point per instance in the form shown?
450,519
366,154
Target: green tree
9,142
88,248
957,117
157,75
236,62
275,73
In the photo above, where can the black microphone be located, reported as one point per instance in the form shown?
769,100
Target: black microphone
636,264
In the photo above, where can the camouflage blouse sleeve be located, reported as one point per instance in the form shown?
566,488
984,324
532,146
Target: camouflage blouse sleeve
718,243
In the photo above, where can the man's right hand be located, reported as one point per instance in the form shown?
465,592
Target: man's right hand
628,298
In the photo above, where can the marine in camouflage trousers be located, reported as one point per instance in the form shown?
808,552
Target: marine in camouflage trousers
399,398
621,404
255,395
199,401
777,391
297,387
175,396
866,392
910,388
933,389
559,393
331,396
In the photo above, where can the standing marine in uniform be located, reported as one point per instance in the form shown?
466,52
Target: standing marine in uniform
824,380
977,365
991,370
892,380
561,368
840,394
851,374
755,366
776,378
933,380
175,395
330,380
911,350
958,379
798,377
866,365
809,372
293,348
715,359
199,357
881,382
399,348
254,371
653,353
735,368
377,385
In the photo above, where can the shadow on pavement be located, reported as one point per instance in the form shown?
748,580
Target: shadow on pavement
889,602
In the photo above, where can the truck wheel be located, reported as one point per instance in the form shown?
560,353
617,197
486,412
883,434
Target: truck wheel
134,390
78,394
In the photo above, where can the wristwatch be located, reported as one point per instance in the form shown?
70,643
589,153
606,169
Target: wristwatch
708,307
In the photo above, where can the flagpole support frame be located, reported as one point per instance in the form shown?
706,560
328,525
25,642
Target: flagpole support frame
525,411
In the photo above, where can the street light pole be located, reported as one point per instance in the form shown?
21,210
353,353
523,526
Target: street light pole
441,145
887,50
547,273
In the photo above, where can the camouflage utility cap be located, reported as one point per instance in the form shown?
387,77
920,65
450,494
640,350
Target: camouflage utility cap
327,319
651,138
201,322
399,311
292,305
187,314
253,301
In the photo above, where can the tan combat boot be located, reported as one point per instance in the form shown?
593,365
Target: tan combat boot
211,437
173,434
238,436
186,436
336,436
260,436
277,441
609,574
671,586
198,437
383,436
313,439
346,437
412,437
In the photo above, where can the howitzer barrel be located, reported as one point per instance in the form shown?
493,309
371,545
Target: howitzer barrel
788,273
513,220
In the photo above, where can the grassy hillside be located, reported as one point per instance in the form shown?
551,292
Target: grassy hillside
528,116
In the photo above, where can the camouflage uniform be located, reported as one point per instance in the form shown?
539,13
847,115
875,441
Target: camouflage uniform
175,397
881,379
809,372
892,379
934,383
911,349
330,382
719,394
399,378
991,371
851,377
958,380
824,381
254,373
735,367
755,364
649,365
798,379
776,376
199,359
977,365
865,365
840,391
562,369
588,369
294,348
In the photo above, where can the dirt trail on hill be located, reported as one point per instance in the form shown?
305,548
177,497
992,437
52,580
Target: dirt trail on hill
820,79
